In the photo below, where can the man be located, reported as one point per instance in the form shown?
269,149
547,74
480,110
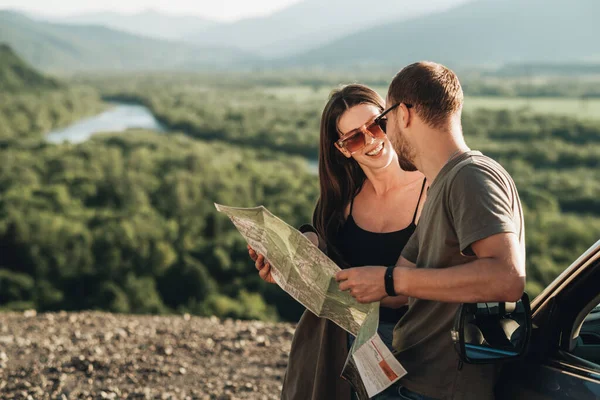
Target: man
468,247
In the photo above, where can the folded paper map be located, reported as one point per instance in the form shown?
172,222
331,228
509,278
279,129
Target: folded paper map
308,275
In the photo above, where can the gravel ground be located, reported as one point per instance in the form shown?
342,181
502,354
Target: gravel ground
96,355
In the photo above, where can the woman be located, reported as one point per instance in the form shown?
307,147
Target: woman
367,210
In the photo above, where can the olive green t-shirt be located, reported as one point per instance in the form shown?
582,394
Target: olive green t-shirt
471,198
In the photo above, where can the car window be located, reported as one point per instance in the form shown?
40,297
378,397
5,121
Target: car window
587,343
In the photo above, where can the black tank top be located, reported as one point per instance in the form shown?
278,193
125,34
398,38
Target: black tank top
359,247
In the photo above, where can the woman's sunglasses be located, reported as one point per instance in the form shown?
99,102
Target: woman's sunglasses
358,138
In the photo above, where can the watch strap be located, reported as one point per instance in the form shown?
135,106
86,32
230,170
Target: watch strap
389,281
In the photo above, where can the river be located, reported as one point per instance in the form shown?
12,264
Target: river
119,118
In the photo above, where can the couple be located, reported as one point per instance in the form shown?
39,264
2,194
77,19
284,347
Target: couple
468,246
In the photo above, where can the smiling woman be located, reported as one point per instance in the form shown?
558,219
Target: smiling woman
367,210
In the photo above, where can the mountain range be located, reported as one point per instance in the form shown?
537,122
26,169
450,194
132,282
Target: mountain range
52,46
148,23
312,23
332,34
482,32
16,75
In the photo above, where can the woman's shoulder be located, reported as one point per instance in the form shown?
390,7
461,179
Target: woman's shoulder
350,205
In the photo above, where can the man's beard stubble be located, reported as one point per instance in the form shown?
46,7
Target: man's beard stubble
406,153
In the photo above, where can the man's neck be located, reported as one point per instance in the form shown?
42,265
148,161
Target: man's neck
431,159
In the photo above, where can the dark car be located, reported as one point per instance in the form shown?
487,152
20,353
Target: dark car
549,350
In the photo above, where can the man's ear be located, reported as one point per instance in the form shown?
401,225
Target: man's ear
404,116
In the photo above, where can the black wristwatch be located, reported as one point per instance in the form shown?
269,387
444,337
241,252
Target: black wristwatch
389,281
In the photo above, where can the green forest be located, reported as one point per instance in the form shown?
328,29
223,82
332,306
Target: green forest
125,222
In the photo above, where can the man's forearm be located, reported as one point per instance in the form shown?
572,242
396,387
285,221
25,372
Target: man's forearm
394,301
482,280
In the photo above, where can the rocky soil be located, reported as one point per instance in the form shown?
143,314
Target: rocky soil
95,355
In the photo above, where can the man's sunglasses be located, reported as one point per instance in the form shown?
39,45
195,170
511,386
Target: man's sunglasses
358,138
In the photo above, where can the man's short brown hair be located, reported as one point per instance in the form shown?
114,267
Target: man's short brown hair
432,89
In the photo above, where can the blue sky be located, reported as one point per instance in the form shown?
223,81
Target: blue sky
222,10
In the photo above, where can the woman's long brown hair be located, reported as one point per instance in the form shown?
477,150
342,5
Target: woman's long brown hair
340,178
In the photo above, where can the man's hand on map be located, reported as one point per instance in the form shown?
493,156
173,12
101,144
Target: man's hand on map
365,284
305,272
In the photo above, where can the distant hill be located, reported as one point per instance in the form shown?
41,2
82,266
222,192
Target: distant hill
482,32
312,23
50,46
147,23
548,69
16,75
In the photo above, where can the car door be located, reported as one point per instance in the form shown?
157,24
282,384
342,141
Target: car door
562,360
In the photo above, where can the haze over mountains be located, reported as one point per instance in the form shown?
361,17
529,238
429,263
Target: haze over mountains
50,46
336,33
311,23
146,23
482,32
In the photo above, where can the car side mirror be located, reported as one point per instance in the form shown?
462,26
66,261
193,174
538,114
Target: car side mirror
489,332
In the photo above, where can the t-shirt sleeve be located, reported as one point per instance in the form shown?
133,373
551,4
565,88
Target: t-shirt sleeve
480,205
411,250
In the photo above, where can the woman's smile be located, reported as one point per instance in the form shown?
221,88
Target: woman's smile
377,151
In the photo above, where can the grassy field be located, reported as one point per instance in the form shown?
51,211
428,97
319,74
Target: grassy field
308,93
584,109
